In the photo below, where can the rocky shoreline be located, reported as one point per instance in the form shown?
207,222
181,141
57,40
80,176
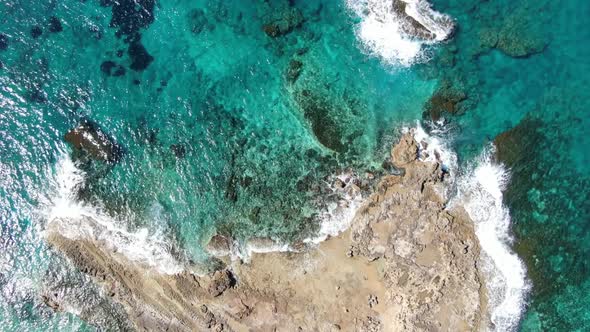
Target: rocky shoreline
407,263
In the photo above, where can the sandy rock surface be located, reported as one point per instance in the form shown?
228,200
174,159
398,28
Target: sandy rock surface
406,264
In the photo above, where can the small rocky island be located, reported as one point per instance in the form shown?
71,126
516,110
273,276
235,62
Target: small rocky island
407,263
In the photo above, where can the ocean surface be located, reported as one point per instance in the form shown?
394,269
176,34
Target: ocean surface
235,117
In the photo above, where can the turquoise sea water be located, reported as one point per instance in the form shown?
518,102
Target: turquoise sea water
227,129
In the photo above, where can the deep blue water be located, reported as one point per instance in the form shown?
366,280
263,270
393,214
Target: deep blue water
226,129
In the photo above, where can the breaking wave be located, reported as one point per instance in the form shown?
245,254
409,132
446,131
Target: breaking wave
480,192
77,220
397,30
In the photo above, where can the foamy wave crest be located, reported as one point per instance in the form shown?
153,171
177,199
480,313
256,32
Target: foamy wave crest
256,246
480,192
432,148
397,30
338,215
76,220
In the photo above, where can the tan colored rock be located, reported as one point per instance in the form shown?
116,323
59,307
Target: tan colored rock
220,282
219,246
405,152
406,264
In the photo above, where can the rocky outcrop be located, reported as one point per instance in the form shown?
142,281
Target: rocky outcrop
421,22
406,264
445,101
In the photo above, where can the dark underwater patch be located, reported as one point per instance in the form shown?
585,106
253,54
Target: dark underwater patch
179,150
3,42
112,69
37,95
140,58
36,32
129,17
324,125
55,25
198,21
542,195
445,101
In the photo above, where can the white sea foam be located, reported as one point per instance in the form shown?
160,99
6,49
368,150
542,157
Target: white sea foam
338,216
335,218
480,193
435,149
381,30
75,220
259,246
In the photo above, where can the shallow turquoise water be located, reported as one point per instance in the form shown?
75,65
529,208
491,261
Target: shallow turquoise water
548,196
218,136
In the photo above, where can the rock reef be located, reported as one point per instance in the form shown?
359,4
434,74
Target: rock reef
407,263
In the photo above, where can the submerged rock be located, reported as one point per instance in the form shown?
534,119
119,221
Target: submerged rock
36,31
37,95
3,42
179,150
445,100
514,146
90,140
198,21
518,39
140,58
294,70
129,16
291,19
55,25
323,120
112,69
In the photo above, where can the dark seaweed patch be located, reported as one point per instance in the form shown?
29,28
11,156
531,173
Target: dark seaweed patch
130,16
37,95
198,21
323,120
140,58
36,31
3,42
55,25
112,69
178,149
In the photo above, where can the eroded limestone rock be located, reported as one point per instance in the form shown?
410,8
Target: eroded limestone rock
407,263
